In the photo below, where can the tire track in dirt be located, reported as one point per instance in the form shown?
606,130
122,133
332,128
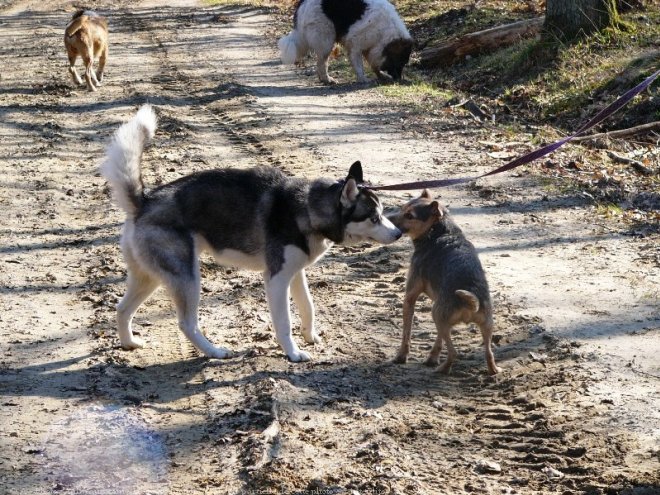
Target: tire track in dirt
46,240
515,422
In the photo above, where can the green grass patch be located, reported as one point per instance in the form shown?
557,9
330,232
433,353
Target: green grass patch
418,94
545,79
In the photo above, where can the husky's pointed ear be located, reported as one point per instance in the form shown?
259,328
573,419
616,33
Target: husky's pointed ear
356,172
426,194
435,210
349,192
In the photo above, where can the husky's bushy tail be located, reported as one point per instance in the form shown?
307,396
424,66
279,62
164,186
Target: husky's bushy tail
292,48
121,166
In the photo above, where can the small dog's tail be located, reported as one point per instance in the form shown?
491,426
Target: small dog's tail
291,48
74,26
122,160
469,299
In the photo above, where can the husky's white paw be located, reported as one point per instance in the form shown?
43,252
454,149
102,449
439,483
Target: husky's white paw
299,356
133,343
219,353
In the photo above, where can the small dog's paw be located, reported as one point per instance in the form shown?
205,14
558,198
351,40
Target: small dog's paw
431,362
134,343
219,353
330,81
299,357
495,371
400,359
444,369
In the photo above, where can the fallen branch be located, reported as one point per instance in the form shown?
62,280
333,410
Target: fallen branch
636,164
473,108
450,52
621,133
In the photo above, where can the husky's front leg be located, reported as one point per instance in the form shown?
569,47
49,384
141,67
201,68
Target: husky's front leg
277,293
303,300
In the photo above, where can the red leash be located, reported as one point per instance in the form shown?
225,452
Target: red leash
529,157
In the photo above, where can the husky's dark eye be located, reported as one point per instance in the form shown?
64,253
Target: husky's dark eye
375,219
408,216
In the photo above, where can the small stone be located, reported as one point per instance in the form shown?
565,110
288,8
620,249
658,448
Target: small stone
486,466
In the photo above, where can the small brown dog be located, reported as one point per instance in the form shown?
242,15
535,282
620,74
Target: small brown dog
86,36
445,267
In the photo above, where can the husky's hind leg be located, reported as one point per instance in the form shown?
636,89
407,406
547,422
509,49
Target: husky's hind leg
140,286
186,299
172,255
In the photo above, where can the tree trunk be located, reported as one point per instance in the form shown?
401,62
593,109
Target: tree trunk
569,19
452,51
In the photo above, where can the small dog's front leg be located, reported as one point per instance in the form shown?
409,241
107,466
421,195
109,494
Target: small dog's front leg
75,76
90,76
408,312
101,68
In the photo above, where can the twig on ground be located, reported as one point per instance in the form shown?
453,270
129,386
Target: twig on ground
636,164
620,133
473,108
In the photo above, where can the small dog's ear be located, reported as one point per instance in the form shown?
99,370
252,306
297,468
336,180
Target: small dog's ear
426,194
435,209
349,192
356,172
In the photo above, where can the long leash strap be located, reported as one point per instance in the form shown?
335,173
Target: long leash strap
533,155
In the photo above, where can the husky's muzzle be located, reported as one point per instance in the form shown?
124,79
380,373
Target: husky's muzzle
378,229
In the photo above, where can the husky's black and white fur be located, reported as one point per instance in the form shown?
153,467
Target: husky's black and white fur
369,28
257,219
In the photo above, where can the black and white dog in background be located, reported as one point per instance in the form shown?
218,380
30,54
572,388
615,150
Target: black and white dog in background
369,28
258,219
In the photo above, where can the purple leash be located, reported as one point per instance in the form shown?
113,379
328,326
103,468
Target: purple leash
533,155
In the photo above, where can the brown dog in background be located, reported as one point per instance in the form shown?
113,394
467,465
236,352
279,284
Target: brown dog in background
445,267
86,36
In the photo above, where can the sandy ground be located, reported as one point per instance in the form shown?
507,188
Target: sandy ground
574,411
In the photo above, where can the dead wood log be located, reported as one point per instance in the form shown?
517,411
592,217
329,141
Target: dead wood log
451,51
622,132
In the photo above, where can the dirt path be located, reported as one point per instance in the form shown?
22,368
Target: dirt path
80,416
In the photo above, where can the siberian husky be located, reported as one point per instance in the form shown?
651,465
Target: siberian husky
86,36
369,28
258,219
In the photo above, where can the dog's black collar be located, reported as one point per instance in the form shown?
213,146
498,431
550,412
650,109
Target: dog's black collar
346,214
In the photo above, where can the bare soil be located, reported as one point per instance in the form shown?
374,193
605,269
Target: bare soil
574,411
